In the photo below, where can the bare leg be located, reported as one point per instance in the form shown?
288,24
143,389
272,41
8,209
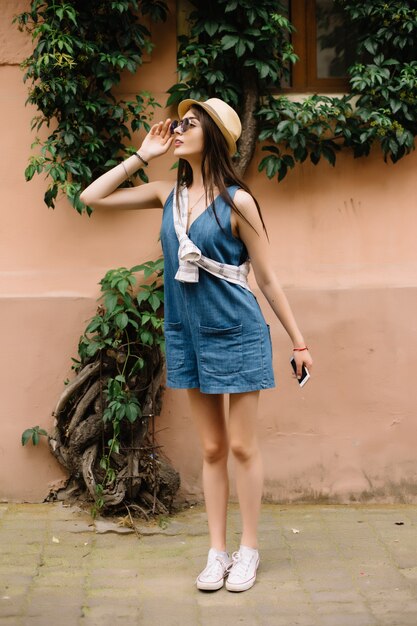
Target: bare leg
208,414
248,462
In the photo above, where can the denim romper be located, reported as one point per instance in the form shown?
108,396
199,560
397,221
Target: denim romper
216,337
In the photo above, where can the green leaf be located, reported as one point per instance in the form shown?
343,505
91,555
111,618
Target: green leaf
240,48
92,348
370,46
100,503
272,165
122,320
264,70
329,155
29,172
94,324
146,337
111,476
154,301
107,415
395,105
283,125
315,157
211,28
122,285
132,412
140,363
282,172
26,436
231,6
110,302
120,412
229,41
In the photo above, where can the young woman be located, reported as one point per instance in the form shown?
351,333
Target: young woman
217,341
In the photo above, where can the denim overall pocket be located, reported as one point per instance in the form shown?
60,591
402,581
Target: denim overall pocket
174,345
221,349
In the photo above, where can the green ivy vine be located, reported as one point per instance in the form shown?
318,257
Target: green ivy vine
81,49
240,51
236,50
104,431
115,393
128,332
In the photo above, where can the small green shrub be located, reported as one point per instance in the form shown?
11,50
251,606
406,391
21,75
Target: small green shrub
33,434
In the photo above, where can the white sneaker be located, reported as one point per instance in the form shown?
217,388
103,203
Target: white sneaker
213,575
242,575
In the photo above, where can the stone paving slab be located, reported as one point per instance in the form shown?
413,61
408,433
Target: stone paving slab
320,566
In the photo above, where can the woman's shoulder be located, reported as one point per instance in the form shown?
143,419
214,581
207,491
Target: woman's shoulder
244,200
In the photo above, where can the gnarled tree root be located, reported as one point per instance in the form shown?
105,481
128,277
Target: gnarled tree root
143,479
87,372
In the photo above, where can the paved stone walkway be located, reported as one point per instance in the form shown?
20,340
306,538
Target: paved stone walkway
320,566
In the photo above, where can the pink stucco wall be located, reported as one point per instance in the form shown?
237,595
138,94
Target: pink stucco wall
343,242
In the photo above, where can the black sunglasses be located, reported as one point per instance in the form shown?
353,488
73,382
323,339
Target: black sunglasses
184,125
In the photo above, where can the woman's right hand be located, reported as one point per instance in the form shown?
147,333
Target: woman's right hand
103,192
157,141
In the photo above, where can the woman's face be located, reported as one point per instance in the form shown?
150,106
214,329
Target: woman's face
189,143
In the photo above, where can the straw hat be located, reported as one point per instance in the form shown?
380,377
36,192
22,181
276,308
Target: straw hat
225,118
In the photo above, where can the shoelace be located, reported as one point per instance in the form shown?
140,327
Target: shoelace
213,567
240,565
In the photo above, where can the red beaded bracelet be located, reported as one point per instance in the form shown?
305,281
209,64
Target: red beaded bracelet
299,349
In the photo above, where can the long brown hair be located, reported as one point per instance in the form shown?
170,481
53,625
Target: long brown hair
216,167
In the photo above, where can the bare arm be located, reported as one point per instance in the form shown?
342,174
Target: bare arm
103,193
258,248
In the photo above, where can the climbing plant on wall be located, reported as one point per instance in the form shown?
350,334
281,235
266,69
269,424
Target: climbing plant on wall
80,51
236,50
241,51
104,420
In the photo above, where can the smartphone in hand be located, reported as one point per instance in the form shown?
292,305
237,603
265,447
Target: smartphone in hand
305,374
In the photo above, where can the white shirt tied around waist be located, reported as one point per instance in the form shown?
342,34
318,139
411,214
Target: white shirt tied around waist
190,257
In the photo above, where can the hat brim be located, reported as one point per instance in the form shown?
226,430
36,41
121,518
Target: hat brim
185,105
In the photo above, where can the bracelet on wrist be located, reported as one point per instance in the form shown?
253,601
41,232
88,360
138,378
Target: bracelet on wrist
299,349
141,158
126,172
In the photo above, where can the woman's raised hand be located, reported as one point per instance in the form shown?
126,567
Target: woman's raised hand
157,141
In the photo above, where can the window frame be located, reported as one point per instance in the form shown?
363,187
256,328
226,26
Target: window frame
304,40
